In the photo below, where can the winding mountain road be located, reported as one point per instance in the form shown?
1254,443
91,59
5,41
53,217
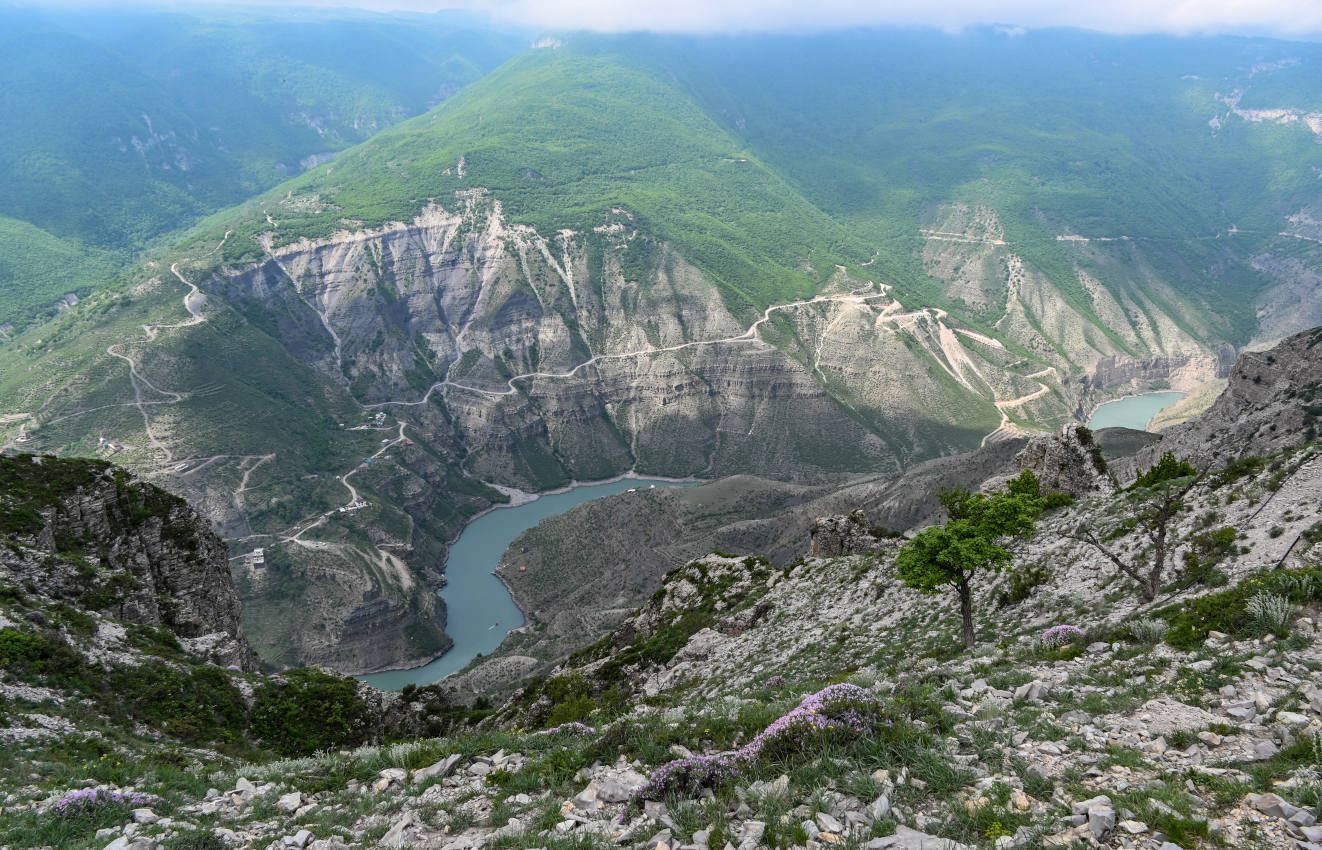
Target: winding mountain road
749,335
1008,429
194,302
353,492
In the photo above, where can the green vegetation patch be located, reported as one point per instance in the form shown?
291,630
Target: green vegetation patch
303,711
1228,611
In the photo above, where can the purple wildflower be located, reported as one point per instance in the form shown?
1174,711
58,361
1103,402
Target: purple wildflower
86,800
836,711
1058,636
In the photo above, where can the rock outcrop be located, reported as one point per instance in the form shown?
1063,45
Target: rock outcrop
833,536
1068,460
1273,401
88,532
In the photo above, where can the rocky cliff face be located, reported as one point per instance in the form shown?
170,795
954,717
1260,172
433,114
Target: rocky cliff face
494,353
88,532
1272,402
724,622
587,353
833,536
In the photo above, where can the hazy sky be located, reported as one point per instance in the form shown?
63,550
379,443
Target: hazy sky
1285,18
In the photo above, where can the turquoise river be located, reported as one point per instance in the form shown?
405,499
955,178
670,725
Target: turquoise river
479,610
1135,412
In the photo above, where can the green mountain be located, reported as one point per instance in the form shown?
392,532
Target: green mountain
560,137
135,124
37,269
795,257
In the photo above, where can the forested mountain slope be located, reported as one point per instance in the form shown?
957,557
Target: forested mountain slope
665,255
130,125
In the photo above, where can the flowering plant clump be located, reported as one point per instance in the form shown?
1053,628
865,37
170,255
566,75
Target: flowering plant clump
89,801
842,710
573,727
687,776
837,711
1058,636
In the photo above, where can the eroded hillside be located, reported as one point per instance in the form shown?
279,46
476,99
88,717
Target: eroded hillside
816,704
496,294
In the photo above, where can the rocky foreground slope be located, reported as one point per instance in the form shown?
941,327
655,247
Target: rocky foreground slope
87,534
815,704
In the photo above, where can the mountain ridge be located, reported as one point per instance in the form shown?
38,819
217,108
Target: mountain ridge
512,344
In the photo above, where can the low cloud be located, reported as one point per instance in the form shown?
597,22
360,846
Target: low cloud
1299,19
1291,18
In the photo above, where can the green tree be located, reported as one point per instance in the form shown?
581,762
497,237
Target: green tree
951,555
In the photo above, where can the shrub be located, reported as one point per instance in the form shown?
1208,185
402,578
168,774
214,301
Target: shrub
1268,613
571,710
1021,583
1227,611
1146,630
1308,777
1212,546
1237,469
1300,587
1058,636
91,802
304,711
33,655
75,817
1169,468
199,705
1056,500
1191,623
195,841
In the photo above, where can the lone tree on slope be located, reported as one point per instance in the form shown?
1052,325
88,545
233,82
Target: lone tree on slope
1156,498
950,555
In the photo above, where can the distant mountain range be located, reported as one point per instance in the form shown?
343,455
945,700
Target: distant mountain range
799,257
127,125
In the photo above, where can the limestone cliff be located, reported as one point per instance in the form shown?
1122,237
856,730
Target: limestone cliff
833,536
87,532
1069,461
386,376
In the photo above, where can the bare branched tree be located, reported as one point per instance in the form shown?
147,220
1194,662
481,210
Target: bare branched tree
1156,499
